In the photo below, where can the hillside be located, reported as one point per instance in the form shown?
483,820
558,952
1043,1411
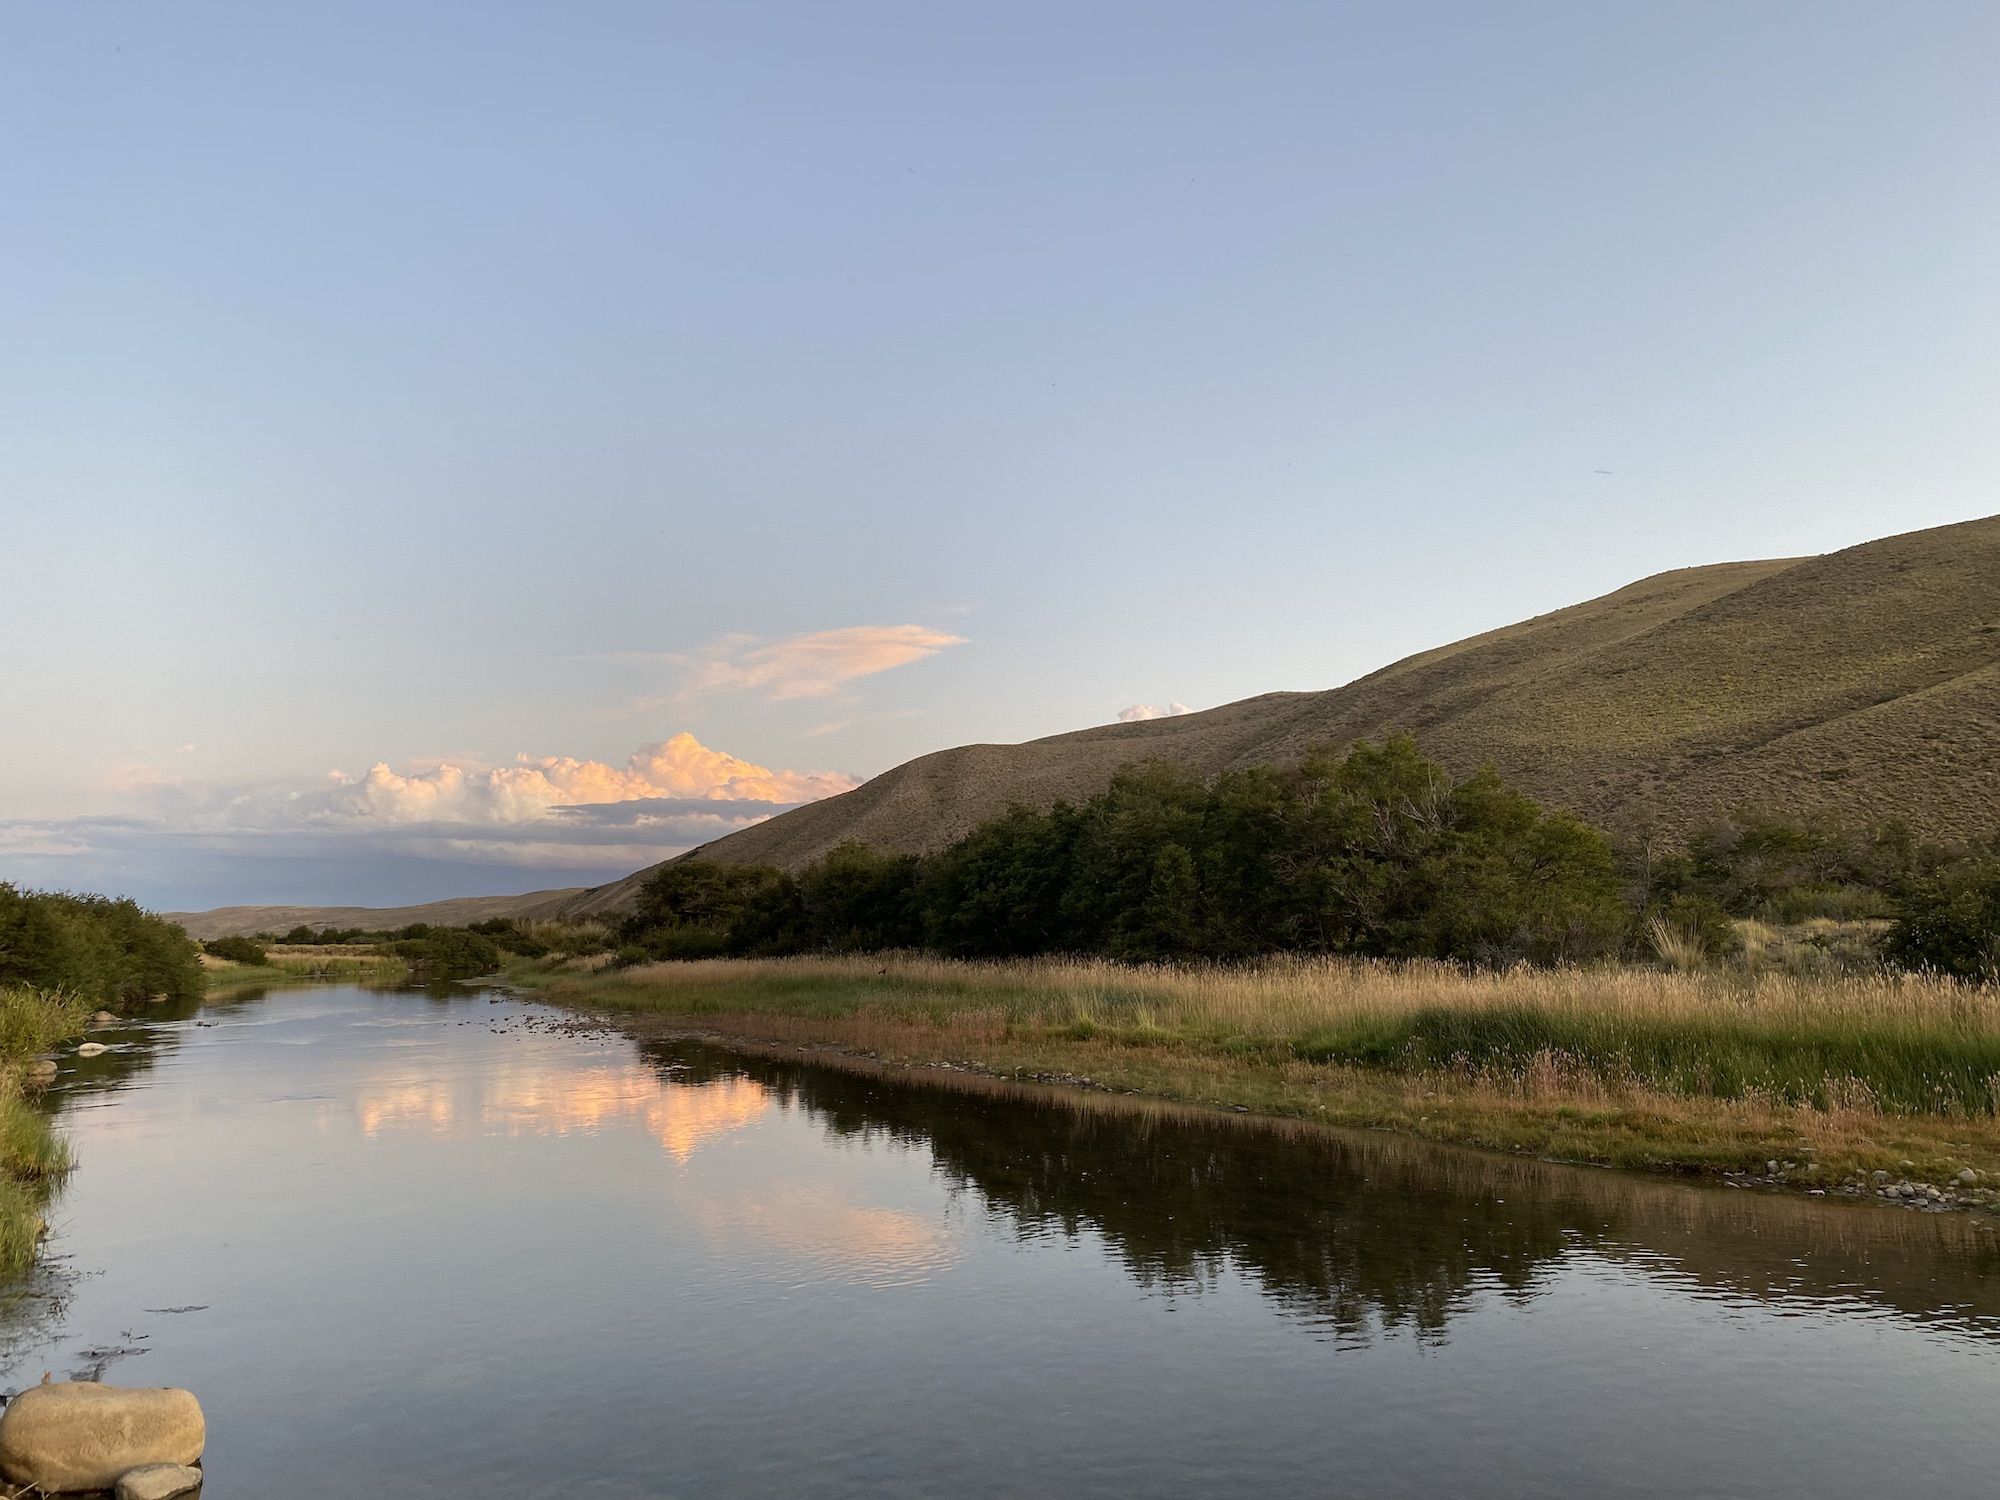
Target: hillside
1861,685
460,911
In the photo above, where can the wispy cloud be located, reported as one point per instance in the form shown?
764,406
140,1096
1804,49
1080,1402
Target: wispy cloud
1140,711
816,665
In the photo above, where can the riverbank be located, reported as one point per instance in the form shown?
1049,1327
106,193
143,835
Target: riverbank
34,1158
302,966
1818,1084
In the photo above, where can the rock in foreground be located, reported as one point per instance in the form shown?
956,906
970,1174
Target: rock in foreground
80,1435
159,1482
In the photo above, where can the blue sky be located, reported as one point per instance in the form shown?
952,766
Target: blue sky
500,392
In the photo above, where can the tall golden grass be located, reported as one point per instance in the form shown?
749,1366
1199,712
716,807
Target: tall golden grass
1286,997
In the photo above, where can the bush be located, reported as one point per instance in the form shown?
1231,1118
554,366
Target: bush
448,953
1950,923
238,950
104,949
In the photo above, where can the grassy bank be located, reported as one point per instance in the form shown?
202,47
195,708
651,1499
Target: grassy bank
1702,1072
302,966
33,1158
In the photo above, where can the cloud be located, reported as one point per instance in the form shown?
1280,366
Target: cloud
535,788
537,813
1141,711
816,665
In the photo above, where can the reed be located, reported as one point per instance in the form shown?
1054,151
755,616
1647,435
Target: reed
33,1157
1683,1050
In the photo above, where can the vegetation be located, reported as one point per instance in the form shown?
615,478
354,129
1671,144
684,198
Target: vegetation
1363,938
1950,923
1705,1071
237,950
61,957
447,953
308,966
1659,702
1375,852
102,949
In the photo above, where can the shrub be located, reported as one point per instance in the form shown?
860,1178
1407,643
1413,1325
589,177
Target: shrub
104,949
448,953
1950,923
239,950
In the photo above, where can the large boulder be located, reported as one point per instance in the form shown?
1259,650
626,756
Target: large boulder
80,1435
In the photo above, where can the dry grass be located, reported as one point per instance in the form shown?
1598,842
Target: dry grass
1287,998
1693,1071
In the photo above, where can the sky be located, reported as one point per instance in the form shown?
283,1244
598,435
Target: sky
459,449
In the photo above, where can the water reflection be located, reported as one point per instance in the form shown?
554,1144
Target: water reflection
1361,1234
534,1097
440,1246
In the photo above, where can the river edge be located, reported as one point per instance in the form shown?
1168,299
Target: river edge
1906,1161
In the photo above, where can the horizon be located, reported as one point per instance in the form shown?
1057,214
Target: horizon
466,457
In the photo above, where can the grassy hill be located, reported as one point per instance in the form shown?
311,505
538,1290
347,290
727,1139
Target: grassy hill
227,921
1861,685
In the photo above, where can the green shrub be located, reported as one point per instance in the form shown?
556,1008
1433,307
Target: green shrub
104,949
238,950
1950,923
448,953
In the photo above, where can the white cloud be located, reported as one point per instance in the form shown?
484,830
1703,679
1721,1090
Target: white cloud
1141,711
816,665
533,788
540,810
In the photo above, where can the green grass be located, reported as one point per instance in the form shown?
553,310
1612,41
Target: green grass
302,968
34,1159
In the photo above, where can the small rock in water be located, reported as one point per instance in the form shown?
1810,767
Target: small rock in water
158,1482
92,1049
103,1018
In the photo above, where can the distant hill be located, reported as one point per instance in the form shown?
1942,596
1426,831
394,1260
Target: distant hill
460,911
1861,685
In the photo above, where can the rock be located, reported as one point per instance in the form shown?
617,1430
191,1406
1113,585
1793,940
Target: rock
1968,1176
1879,1176
42,1070
92,1049
81,1435
158,1482
103,1018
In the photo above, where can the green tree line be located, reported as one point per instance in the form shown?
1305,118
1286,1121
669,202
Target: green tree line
1373,851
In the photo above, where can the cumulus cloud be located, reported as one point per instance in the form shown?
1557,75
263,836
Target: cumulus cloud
1141,711
815,665
539,812
535,788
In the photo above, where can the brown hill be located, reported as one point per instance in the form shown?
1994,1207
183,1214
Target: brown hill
1861,685
460,911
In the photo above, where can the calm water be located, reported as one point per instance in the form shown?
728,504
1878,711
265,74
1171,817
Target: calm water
416,1246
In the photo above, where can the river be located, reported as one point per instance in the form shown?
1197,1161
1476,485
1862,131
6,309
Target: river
445,1244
